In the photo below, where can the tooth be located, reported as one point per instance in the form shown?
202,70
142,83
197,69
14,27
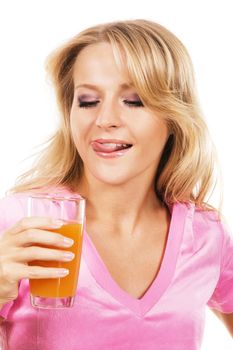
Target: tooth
109,144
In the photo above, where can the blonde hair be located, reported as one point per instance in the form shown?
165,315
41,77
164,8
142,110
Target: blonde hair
162,72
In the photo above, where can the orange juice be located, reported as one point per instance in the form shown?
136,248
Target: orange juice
65,286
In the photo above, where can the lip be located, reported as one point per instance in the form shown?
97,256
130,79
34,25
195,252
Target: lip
113,154
112,141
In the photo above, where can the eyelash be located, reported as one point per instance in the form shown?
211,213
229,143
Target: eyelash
91,104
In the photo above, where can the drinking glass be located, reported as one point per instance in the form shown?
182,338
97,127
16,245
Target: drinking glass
58,292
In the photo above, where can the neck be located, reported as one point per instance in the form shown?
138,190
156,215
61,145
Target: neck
119,207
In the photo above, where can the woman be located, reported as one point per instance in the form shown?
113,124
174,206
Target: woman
132,141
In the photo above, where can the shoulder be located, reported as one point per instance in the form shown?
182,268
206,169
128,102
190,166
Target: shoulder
19,198
200,218
209,226
12,209
207,236
210,221
205,225
13,206
205,219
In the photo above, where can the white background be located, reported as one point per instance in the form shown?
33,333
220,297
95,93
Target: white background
29,30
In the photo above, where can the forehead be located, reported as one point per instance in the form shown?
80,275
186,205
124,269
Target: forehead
97,61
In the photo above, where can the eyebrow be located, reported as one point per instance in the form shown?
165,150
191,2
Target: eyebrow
123,86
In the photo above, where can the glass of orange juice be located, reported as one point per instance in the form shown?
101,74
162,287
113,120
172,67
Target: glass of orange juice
58,292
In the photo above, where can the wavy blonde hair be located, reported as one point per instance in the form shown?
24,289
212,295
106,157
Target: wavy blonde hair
162,73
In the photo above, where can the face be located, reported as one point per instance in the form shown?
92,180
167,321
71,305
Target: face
117,137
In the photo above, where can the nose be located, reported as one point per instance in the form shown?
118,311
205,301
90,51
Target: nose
108,115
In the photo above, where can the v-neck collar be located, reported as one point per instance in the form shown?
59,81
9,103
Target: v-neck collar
165,274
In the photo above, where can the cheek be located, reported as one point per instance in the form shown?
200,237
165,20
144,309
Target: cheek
80,134
162,134
78,126
76,131
156,135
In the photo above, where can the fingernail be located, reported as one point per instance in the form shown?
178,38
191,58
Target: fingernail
62,272
68,256
57,223
68,242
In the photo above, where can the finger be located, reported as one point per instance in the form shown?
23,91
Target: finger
17,271
34,222
37,272
44,254
42,237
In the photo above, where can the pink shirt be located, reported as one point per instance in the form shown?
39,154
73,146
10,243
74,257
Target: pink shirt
197,270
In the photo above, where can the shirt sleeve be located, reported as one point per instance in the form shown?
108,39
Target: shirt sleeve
222,298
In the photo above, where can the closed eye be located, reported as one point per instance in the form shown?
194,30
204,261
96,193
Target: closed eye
136,103
90,104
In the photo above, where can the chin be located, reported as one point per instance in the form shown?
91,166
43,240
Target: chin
113,179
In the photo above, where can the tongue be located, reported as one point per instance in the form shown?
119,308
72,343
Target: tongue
101,147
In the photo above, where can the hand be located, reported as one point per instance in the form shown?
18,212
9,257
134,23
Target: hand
19,246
